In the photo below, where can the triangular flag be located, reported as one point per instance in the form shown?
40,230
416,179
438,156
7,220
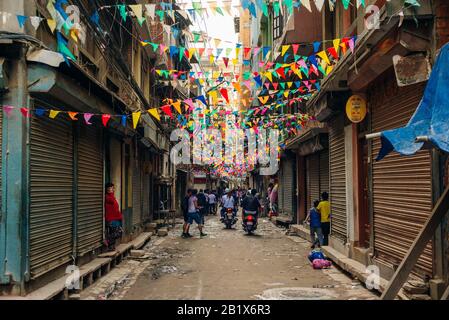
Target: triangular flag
284,49
323,55
137,9
150,10
136,117
332,51
51,24
177,106
263,99
237,87
39,112
269,76
154,113
167,110
336,43
295,48
226,61
87,117
7,110
319,4
123,120
73,115
25,112
202,99
53,113
21,20
306,3
105,118
224,94
35,21
122,9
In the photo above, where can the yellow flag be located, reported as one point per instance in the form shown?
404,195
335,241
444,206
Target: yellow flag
269,76
336,43
211,59
137,9
154,113
289,84
235,61
51,24
177,106
284,49
136,117
237,51
192,51
286,92
53,113
143,43
323,55
329,69
213,94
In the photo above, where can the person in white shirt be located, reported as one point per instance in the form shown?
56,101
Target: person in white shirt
227,201
212,201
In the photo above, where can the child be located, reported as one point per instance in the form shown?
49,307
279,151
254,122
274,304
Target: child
315,225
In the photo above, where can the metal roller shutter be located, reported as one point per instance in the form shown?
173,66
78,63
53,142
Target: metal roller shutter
146,197
337,173
1,152
288,187
324,171
51,192
137,212
90,189
402,192
313,179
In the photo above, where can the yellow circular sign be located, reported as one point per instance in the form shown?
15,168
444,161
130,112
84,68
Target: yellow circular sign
356,108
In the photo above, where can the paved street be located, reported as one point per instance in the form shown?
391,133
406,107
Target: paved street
227,264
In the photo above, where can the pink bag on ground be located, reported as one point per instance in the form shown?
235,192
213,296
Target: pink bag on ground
321,264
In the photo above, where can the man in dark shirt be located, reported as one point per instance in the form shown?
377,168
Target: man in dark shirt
251,203
201,203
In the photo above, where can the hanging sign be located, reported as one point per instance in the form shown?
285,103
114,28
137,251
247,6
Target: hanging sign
356,108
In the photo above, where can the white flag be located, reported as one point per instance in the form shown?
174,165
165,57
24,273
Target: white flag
150,10
306,3
35,21
319,4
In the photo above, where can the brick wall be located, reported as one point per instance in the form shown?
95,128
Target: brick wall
442,22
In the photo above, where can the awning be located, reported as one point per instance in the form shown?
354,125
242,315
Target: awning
310,142
430,120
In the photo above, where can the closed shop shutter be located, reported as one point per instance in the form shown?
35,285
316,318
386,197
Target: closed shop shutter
324,171
1,152
337,178
313,179
51,193
90,189
287,187
137,205
402,193
146,197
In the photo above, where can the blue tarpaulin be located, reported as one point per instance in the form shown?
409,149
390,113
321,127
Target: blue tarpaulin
431,118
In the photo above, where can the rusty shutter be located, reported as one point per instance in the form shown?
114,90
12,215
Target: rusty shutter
324,171
402,193
313,179
90,189
51,193
137,205
337,174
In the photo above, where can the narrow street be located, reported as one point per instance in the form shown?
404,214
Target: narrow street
226,264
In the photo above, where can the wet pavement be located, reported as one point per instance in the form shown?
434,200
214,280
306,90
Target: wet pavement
226,264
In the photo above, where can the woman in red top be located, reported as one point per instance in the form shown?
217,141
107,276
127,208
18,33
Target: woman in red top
113,217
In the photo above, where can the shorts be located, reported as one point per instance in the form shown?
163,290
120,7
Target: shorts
194,216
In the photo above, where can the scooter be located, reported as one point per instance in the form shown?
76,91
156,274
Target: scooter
249,222
229,219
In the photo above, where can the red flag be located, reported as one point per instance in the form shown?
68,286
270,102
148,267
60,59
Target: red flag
295,48
224,94
105,118
280,71
246,51
25,112
333,52
226,61
167,110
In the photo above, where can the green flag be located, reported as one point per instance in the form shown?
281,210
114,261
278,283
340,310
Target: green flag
122,9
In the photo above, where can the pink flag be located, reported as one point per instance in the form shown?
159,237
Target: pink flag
7,110
87,117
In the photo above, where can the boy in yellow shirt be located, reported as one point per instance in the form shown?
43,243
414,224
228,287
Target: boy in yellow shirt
324,208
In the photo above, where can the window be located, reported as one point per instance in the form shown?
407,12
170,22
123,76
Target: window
277,26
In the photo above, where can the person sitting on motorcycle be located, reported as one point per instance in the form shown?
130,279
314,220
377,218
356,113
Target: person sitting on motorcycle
251,203
227,201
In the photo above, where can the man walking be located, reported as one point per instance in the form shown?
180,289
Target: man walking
193,215
212,202
185,211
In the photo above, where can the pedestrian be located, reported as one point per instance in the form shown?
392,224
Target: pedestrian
193,215
274,200
206,203
212,202
185,211
315,225
201,202
113,217
324,208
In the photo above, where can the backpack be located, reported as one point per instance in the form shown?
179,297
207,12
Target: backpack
316,254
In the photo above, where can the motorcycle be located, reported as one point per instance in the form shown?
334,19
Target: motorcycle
229,219
249,222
